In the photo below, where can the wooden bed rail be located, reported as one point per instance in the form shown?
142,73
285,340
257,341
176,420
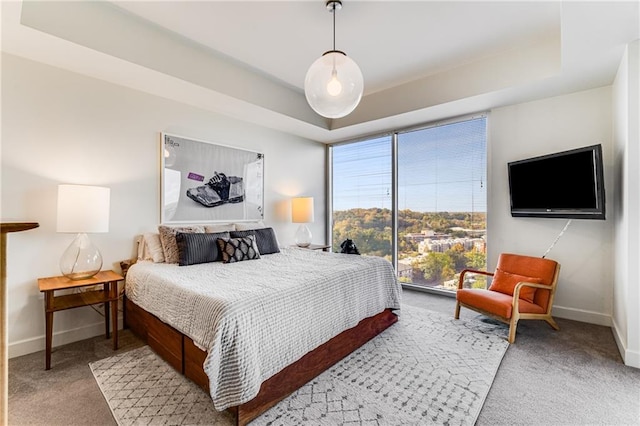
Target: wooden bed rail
180,352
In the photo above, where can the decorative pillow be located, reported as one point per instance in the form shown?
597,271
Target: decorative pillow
143,251
168,239
505,282
153,246
245,226
238,249
265,239
220,228
198,248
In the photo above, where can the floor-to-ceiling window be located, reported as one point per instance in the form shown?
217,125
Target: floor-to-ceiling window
435,208
362,196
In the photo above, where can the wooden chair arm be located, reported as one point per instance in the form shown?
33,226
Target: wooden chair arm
473,271
516,291
528,284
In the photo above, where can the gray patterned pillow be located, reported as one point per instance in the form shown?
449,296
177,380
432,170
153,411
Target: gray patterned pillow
265,239
238,249
198,248
168,240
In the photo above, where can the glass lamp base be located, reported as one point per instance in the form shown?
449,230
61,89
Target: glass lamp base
81,259
303,236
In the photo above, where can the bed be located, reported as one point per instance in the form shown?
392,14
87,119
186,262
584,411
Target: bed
252,332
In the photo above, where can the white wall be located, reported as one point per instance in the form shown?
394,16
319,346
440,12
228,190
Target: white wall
585,251
61,127
626,292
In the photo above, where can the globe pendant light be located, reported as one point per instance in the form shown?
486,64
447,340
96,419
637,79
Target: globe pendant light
333,85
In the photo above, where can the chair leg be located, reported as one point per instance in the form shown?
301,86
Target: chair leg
457,314
552,323
513,324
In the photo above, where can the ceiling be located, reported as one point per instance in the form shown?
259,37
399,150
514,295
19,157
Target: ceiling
422,61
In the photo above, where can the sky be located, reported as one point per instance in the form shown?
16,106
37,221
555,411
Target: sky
441,168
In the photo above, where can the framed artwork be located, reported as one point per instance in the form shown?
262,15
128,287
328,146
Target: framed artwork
205,182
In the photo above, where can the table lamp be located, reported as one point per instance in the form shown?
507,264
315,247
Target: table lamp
302,212
82,209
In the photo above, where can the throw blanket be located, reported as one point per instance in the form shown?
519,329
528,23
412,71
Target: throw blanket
256,317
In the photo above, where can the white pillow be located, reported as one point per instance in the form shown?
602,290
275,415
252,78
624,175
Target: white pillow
150,247
143,251
154,245
246,226
210,229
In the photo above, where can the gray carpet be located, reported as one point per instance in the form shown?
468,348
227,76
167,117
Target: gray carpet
574,376
426,369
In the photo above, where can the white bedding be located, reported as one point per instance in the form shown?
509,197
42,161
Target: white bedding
256,317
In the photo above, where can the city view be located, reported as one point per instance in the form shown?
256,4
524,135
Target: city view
441,200
433,248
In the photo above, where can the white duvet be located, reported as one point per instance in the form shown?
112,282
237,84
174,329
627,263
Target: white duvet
256,317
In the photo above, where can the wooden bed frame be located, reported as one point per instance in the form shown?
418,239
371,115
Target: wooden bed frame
181,353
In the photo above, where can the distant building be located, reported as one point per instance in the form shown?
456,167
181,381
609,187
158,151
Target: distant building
475,232
405,270
441,246
418,237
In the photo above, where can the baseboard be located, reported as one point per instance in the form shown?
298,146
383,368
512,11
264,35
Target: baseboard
581,315
630,358
36,344
557,311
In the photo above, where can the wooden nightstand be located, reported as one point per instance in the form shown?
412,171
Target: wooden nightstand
108,295
322,247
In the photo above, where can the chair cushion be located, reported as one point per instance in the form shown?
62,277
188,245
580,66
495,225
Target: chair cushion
505,282
494,302
528,266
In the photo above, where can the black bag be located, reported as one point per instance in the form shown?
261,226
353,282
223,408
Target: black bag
348,247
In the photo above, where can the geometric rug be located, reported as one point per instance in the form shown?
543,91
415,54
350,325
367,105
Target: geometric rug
428,368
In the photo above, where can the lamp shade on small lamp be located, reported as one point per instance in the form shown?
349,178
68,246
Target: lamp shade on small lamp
302,212
82,209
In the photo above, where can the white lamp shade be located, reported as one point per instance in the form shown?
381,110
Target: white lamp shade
302,210
83,208
333,85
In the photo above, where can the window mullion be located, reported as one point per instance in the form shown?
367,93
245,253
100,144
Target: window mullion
394,200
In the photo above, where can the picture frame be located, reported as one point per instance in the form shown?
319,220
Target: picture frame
204,182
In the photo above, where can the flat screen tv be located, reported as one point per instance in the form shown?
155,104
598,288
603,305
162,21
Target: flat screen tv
567,184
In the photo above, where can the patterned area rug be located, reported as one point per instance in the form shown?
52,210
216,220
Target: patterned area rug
426,369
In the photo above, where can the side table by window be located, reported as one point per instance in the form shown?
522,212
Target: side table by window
52,303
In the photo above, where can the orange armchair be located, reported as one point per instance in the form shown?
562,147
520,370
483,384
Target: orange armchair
523,287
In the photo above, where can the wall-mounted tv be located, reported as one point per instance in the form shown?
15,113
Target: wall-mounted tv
567,184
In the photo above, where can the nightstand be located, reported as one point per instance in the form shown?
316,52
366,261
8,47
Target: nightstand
52,303
322,247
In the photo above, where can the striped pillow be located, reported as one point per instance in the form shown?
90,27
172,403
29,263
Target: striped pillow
265,239
198,248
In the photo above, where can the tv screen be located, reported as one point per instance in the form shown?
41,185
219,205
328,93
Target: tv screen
568,184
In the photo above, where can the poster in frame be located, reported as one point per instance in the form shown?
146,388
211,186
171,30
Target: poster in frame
205,182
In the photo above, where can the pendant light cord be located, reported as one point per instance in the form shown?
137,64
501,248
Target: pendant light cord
333,11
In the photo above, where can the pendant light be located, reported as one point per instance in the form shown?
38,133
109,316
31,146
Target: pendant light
333,85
